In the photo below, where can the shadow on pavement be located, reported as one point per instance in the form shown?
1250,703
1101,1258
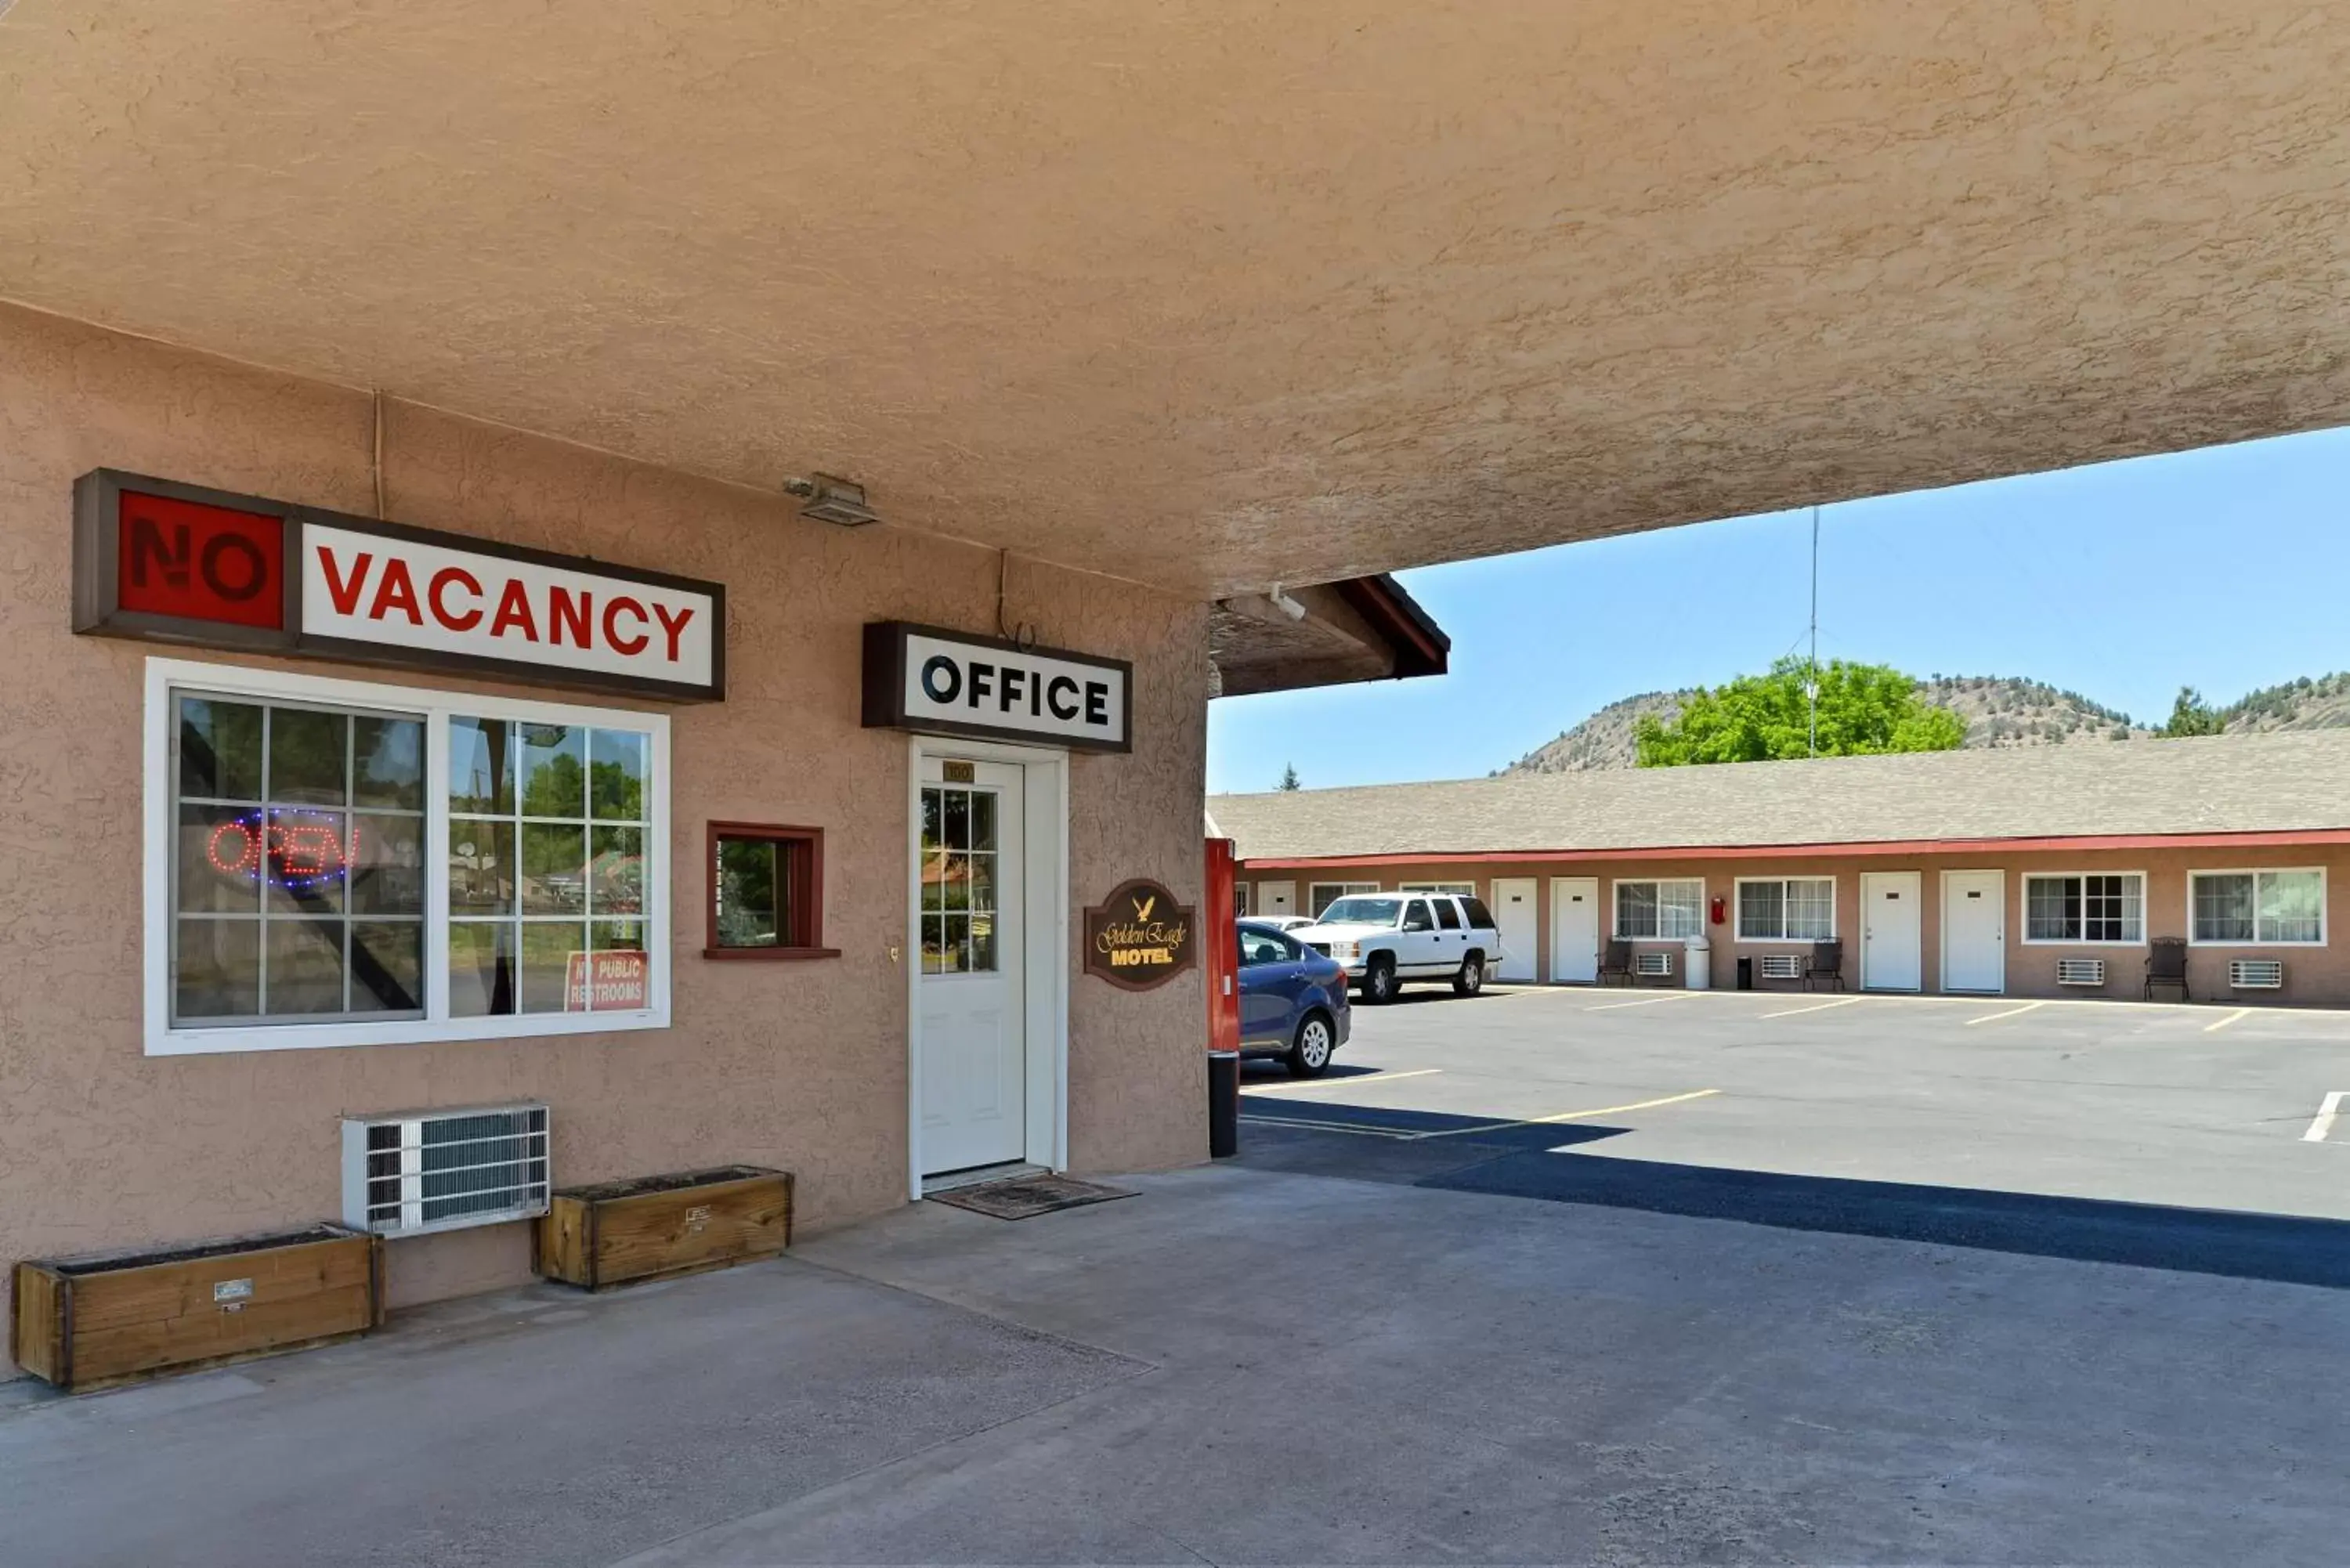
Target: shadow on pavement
1536,1161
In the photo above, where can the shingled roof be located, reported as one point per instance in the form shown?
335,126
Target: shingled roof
2222,785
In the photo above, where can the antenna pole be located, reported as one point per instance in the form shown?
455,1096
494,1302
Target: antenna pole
1812,683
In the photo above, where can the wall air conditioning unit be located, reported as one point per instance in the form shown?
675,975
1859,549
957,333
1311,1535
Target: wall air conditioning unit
2080,971
1652,964
1780,966
420,1171
2256,974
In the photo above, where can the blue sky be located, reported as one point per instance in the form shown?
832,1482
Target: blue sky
2226,568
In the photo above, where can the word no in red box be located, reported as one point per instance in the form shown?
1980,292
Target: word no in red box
199,562
619,979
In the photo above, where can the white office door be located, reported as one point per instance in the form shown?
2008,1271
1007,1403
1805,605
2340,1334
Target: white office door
1513,915
1892,930
1276,899
1975,930
1574,930
973,996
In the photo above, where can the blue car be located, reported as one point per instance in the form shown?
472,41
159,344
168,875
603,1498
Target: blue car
1292,1001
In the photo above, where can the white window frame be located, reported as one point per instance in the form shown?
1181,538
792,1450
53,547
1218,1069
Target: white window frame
2324,905
1615,905
2145,910
1346,890
1458,889
167,675
1738,908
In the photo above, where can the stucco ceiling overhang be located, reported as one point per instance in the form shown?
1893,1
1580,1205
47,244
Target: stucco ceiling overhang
1216,297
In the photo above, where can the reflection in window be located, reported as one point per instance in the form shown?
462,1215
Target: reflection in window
297,878
547,866
959,851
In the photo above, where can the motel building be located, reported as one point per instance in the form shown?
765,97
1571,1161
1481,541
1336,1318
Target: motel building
2053,871
563,821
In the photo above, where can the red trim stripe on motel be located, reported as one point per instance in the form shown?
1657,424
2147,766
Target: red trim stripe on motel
2081,845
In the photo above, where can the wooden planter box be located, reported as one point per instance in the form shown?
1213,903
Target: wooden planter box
656,1227
95,1322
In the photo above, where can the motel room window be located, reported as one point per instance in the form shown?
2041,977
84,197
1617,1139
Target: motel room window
766,898
347,864
1320,896
1787,909
2083,909
1660,910
2267,908
1463,889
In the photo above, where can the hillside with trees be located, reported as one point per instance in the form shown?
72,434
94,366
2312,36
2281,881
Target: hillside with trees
1997,710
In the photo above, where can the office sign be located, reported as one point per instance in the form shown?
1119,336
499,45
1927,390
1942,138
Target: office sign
1140,936
176,563
947,682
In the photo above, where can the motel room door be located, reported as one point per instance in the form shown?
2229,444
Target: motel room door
972,1097
1975,930
1514,914
1892,930
1276,899
1574,930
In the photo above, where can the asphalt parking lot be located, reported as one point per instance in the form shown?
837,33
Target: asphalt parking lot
2192,1137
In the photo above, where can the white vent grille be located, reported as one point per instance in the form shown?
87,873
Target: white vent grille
2080,971
1652,964
439,1170
2256,974
1781,966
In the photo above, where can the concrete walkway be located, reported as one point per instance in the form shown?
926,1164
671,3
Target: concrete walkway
1250,1366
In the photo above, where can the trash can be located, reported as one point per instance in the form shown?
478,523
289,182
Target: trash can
1746,974
1223,1104
1699,957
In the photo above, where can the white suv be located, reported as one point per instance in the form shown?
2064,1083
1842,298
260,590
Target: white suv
1386,939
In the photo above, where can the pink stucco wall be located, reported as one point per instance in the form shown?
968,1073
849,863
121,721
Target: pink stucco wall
802,1065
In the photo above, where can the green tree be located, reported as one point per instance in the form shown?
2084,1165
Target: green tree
1289,777
2190,715
1865,709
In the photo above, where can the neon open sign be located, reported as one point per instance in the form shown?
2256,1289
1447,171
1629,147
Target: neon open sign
296,850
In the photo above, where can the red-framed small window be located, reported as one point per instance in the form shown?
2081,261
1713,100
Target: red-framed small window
766,892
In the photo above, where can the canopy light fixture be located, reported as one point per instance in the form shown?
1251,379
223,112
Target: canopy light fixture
831,500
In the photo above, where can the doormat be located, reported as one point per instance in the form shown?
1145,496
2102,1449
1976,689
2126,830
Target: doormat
1020,1197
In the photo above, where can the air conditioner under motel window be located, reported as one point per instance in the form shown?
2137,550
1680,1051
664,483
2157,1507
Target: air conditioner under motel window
420,1171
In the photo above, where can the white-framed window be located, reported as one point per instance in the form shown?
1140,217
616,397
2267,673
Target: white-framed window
335,862
1320,896
1660,910
2263,908
2085,908
1786,909
1463,889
